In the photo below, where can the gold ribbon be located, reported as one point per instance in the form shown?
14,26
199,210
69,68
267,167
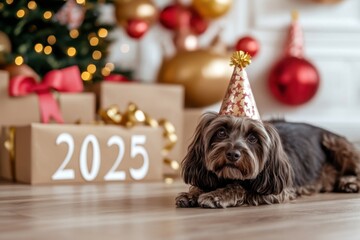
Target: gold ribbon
134,116
9,145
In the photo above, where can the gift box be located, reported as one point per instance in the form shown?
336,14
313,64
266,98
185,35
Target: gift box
25,109
52,153
161,101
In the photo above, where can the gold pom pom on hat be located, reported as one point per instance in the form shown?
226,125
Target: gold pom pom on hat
239,100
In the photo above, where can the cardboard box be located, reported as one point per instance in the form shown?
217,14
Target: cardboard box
53,153
25,110
158,100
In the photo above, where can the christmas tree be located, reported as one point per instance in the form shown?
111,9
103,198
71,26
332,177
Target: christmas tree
54,34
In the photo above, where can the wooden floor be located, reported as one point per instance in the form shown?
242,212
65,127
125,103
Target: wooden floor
147,211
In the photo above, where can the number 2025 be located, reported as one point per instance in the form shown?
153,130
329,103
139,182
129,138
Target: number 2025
136,148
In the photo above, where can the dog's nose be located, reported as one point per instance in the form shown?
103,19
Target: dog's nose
233,155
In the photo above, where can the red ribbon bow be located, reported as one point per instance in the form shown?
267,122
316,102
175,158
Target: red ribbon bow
63,80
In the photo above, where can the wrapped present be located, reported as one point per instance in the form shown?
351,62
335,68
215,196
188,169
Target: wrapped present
52,153
161,101
23,100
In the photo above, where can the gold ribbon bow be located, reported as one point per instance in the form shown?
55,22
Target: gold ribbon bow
134,116
9,145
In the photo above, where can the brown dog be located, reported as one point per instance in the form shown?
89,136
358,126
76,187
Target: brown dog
234,161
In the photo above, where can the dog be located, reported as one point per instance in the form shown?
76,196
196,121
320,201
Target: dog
235,161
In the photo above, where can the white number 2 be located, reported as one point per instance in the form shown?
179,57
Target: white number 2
62,173
113,174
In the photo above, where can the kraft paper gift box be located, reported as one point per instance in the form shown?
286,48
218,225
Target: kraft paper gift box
25,110
158,100
53,154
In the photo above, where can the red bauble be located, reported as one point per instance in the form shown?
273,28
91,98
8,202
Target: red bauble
197,23
137,28
169,16
294,81
248,44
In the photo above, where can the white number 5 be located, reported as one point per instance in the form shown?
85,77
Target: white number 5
136,149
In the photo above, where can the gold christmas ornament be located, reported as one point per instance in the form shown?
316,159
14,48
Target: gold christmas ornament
212,8
203,73
126,10
239,100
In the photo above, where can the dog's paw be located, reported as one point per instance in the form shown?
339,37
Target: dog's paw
186,200
351,187
349,184
211,200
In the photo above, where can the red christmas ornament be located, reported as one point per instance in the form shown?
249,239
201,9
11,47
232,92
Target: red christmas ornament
294,80
197,23
137,28
169,16
248,44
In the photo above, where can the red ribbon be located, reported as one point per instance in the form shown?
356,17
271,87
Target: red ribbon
63,80
116,78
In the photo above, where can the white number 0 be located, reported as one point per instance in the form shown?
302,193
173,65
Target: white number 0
89,175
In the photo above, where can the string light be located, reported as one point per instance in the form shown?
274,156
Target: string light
51,39
19,60
1,6
86,76
20,13
71,51
9,1
91,68
32,5
83,2
47,15
105,71
94,41
74,33
96,55
38,47
102,33
48,50
110,66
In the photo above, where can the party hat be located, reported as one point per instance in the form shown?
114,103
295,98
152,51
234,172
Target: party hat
239,100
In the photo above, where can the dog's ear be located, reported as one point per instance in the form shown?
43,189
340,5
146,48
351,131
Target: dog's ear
277,172
193,168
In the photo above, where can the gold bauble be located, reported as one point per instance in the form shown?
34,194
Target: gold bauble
126,10
211,8
204,74
5,46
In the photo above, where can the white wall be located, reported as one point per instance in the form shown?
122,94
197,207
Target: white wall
332,44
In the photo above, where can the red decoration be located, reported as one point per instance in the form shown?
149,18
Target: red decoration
64,80
197,23
169,16
137,28
116,78
248,44
294,81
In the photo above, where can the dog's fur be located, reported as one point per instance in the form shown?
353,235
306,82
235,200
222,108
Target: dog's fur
236,161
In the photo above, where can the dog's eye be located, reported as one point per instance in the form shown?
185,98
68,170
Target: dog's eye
221,133
252,139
